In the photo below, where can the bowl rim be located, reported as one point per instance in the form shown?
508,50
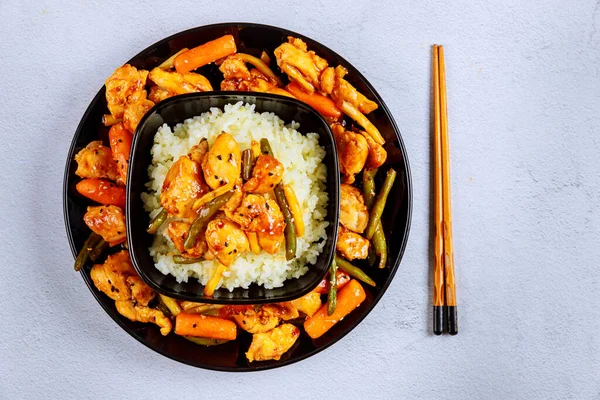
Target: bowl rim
393,268
189,97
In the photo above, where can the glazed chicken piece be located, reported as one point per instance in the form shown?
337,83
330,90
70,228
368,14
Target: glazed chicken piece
111,277
285,311
377,154
119,281
183,185
135,313
308,304
271,228
302,66
233,68
96,161
178,231
134,112
158,94
225,240
273,344
197,152
177,83
108,222
248,214
267,173
354,214
353,150
125,86
255,82
351,245
235,201
257,321
350,101
223,162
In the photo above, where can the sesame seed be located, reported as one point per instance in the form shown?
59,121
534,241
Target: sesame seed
219,157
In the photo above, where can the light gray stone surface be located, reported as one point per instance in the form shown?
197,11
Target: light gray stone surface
524,103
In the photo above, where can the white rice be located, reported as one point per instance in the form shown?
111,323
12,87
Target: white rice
304,171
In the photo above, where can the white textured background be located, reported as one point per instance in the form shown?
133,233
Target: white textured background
524,106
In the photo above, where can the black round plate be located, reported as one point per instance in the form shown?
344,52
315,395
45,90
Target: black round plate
251,38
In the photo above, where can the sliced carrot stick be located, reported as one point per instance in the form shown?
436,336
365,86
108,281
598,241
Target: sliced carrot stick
341,278
120,143
295,208
350,297
322,104
199,325
204,54
102,191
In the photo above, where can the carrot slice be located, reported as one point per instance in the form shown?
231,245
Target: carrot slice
199,325
120,143
205,54
102,191
324,105
350,297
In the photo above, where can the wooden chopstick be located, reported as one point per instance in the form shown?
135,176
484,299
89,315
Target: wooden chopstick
438,277
450,282
443,206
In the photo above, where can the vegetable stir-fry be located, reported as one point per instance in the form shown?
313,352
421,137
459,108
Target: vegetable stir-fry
220,201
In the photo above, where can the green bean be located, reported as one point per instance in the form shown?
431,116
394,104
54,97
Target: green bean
205,341
204,214
379,204
96,253
368,181
179,259
290,227
247,164
162,307
84,253
353,271
157,221
380,245
332,295
371,255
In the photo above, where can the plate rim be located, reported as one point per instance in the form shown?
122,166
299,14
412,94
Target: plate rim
376,298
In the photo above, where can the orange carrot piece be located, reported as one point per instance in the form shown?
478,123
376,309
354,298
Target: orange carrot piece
205,54
322,104
199,325
120,143
102,191
350,297
341,278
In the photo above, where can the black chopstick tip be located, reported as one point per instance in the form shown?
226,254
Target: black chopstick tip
438,320
452,320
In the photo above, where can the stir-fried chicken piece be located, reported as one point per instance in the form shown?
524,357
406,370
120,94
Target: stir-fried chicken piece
233,67
308,304
234,202
271,227
272,345
248,214
119,281
96,161
183,185
302,66
177,83
267,173
134,113
377,154
285,310
111,277
249,80
354,214
257,321
223,162
351,245
178,231
353,150
144,314
198,151
108,222
125,86
225,240
158,94
351,101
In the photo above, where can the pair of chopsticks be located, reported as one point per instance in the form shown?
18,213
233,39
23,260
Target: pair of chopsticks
444,285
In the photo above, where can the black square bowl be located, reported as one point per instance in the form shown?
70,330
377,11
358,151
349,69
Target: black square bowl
176,110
